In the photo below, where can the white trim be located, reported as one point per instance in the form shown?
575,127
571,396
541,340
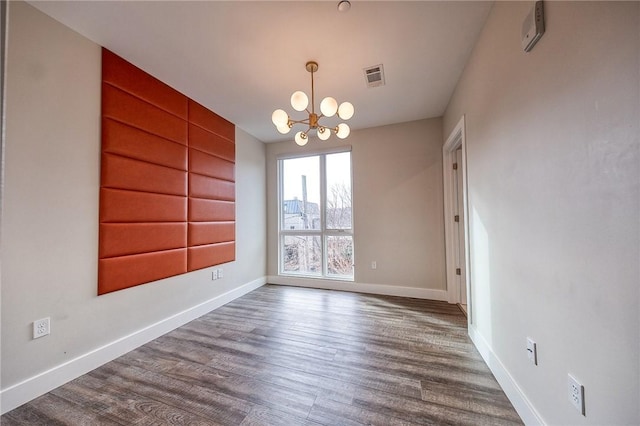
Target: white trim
20,393
522,405
456,139
387,290
311,153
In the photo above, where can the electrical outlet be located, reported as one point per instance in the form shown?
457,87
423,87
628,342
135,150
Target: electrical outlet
374,264
532,351
41,327
576,394
220,273
214,274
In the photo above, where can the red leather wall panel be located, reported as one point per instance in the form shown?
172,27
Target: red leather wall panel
126,108
121,139
118,206
210,121
211,188
211,232
122,239
131,79
167,181
211,143
117,273
201,210
126,173
201,256
208,165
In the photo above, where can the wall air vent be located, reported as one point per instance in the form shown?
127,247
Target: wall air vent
374,76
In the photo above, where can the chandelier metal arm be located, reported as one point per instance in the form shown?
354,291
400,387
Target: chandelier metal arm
304,121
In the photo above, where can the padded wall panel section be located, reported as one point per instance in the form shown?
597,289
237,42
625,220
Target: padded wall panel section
201,233
208,120
200,210
211,143
208,165
118,206
117,273
144,178
131,79
167,191
126,108
121,239
202,256
119,138
127,173
211,189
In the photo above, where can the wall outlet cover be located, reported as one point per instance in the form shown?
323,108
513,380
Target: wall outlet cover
41,327
576,394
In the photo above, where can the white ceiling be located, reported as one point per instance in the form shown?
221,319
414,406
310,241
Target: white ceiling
244,59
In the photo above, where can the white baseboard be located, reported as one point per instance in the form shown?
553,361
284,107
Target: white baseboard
388,290
23,392
518,399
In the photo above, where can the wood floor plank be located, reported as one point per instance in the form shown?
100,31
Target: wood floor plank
329,412
263,416
50,409
423,412
125,406
223,409
292,356
285,399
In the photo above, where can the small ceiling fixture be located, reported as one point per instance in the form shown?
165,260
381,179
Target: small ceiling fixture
328,108
344,5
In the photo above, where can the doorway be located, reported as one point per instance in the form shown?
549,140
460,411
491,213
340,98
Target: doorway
456,219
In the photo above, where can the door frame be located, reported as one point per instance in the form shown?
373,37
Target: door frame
456,139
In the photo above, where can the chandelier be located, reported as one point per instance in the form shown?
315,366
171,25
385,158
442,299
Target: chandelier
328,108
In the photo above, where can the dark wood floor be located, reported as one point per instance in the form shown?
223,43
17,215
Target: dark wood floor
291,356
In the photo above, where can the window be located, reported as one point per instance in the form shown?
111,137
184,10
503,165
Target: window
316,220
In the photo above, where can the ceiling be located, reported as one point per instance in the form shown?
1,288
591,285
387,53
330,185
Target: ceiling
243,59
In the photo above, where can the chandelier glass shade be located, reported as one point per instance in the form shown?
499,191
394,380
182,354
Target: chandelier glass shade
328,108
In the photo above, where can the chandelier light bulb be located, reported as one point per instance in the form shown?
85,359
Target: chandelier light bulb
301,138
342,131
323,133
345,111
299,101
284,129
279,118
328,106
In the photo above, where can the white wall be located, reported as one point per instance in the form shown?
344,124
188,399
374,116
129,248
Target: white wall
554,189
50,219
398,209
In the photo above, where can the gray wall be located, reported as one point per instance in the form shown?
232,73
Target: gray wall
553,173
50,218
398,206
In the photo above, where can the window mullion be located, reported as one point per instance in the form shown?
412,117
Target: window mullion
280,198
323,212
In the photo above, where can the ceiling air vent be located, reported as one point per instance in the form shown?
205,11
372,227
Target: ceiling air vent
374,76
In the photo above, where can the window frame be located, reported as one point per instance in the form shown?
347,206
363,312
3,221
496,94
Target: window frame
323,232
